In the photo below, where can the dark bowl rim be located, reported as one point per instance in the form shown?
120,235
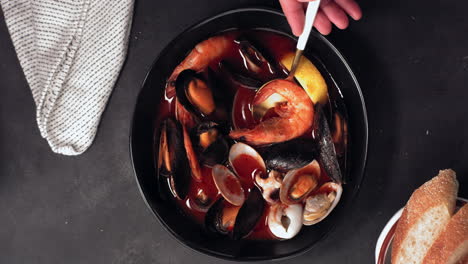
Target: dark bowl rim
193,246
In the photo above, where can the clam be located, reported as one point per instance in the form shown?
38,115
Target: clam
289,155
320,204
194,93
172,159
210,143
247,163
327,154
285,221
270,186
228,185
298,183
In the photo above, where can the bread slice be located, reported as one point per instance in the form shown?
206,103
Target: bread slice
425,215
451,247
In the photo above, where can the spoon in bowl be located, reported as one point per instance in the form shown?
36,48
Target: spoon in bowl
311,13
312,8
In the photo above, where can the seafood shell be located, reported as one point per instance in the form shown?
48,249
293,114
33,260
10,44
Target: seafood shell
210,143
285,221
237,78
327,154
194,93
289,155
236,221
320,205
228,185
221,217
298,183
270,186
240,150
248,215
172,159
257,62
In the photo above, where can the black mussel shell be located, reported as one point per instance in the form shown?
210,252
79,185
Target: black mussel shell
212,217
237,78
216,150
289,155
202,201
216,215
222,95
259,64
249,214
162,151
327,154
216,153
256,61
190,78
163,184
179,171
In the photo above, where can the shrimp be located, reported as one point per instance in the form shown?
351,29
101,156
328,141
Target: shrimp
295,115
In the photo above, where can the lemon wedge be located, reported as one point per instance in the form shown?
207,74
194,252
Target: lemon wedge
308,77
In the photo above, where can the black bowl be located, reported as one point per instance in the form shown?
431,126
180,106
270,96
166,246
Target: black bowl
141,139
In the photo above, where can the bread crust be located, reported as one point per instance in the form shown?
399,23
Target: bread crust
454,236
440,190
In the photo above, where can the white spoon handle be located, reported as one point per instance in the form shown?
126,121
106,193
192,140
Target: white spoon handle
311,12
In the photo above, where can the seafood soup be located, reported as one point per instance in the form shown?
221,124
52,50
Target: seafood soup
244,159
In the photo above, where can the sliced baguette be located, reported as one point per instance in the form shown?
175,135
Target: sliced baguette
425,215
451,247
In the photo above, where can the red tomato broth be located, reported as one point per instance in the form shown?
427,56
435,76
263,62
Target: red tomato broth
275,45
247,168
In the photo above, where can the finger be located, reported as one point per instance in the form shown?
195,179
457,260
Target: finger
322,23
350,7
336,15
322,3
294,14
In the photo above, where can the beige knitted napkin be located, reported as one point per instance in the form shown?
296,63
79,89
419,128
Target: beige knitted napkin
71,52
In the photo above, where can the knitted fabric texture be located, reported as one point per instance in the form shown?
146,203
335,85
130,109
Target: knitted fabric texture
71,52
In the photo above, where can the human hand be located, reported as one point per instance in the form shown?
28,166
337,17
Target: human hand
331,11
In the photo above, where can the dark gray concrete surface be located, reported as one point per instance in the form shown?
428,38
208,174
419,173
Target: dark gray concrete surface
411,58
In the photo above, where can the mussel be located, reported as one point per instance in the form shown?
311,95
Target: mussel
298,183
285,221
221,217
236,221
256,62
202,200
327,153
340,139
210,143
248,215
237,78
191,156
194,93
172,158
321,203
289,155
